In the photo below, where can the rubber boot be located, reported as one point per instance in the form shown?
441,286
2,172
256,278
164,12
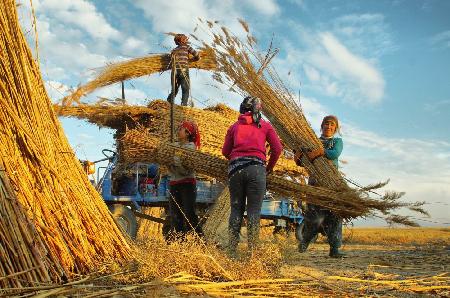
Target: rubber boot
302,246
335,253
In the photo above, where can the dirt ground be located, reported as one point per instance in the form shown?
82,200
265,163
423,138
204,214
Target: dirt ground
396,270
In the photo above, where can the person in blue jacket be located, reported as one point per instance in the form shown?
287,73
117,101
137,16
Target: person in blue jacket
319,219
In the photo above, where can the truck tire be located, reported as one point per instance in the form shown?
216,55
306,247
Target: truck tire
125,219
299,231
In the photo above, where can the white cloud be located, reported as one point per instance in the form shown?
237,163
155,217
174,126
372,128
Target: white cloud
420,168
132,44
80,13
56,90
331,68
369,80
299,3
438,106
176,16
366,34
265,7
441,39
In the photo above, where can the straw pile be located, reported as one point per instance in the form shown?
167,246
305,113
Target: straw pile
135,68
65,210
213,123
138,145
23,260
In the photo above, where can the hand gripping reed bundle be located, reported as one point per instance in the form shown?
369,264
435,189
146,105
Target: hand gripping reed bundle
67,213
138,146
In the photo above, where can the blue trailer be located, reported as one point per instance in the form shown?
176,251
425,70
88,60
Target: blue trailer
127,190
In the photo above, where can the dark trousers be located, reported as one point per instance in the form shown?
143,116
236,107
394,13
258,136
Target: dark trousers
180,78
183,218
318,219
248,183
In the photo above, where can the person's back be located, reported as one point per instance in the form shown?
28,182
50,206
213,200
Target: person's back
180,68
180,56
245,147
245,138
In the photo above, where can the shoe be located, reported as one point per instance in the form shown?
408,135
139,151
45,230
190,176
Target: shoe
335,253
302,247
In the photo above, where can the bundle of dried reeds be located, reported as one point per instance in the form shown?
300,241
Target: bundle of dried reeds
215,227
213,123
149,229
68,214
23,260
134,68
244,70
138,145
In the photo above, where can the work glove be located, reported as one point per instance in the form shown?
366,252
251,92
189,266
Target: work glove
313,154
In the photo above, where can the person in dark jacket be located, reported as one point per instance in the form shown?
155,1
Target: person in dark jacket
182,185
180,68
317,218
245,149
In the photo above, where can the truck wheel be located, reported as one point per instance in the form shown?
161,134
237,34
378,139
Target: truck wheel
125,218
299,231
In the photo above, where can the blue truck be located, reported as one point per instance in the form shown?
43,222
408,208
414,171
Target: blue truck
126,190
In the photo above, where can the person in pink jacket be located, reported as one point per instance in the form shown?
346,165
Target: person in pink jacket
245,148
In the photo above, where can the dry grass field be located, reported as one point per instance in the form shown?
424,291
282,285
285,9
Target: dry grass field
380,262
398,236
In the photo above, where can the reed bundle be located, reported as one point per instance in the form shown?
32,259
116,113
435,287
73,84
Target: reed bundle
215,227
241,67
65,210
213,123
149,229
139,146
23,260
134,68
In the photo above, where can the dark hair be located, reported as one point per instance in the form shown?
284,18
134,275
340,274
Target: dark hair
253,105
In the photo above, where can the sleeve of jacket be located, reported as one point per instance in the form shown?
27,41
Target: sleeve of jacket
275,147
336,151
228,144
194,53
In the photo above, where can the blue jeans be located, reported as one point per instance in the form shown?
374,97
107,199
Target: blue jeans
248,183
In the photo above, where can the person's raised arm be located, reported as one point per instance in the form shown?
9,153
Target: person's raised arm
194,54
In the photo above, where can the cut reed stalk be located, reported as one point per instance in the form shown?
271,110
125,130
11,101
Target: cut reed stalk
76,228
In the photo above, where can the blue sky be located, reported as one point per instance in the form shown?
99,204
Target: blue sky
382,67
